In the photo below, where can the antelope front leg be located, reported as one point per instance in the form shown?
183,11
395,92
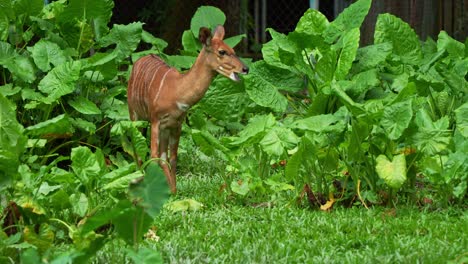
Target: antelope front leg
164,135
159,146
174,146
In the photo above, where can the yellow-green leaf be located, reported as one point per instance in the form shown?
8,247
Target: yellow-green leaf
392,172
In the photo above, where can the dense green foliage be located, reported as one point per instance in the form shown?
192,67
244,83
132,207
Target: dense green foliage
319,115
379,119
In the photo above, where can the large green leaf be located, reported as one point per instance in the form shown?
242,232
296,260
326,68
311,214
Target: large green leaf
97,12
126,37
133,142
348,49
371,56
28,7
160,44
283,79
461,117
206,16
46,53
432,137
84,106
396,118
256,128
453,47
392,172
225,100
4,25
153,191
234,40
320,124
12,141
263,89
21,66
208,144
278,141
7,53
406,45
59,126
312,22
326,66
190,43
85,164
60,81
351,18
279,50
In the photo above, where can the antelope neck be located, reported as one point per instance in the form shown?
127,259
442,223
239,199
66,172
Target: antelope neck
197,80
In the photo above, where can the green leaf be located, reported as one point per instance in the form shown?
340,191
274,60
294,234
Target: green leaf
12,141
28,7
349,44
208,144
126,38
320,124
392,172
432,137
153,191
283,80
454,48
371,56
351,18
7,53
22,68
84,106
206,16
144,255
184,205
85,164
278,141
46,53
461,118
405,42
147,37
234,40
58,126
190,42
326,66
79,204
4,25
60,81
98,12
42,240
240,187
225,100
137,143
279,44
312,22
84,125
255,129
263,92
396,118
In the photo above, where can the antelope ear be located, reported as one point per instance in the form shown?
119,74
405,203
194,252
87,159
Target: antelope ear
205,36
219,32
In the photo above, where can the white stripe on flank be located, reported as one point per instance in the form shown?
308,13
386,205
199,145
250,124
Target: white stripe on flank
161,85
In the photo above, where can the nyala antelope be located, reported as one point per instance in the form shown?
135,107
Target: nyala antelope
161,95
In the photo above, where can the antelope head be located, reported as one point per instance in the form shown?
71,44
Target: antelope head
221,57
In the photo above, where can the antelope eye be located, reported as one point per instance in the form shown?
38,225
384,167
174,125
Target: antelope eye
222,52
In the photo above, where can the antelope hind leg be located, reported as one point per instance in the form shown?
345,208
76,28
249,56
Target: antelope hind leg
164,135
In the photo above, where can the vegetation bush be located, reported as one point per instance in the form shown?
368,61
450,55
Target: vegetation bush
318,116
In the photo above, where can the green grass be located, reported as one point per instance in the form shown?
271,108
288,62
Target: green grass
229,230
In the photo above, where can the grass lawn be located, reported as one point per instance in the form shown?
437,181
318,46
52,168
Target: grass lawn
232,231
